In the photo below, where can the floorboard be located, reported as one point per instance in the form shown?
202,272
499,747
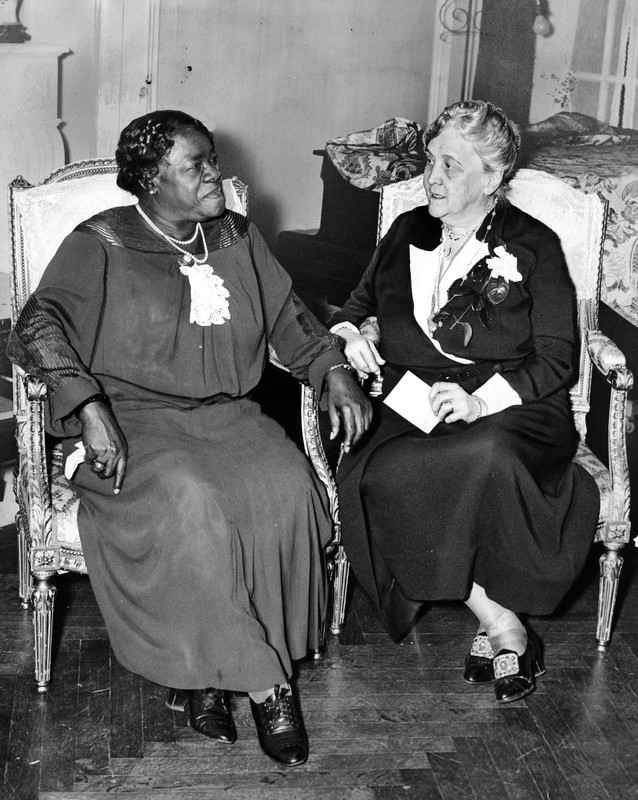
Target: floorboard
386,721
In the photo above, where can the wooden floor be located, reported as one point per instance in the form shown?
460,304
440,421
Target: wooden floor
385,721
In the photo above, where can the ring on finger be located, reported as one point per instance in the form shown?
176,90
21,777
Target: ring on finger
98,465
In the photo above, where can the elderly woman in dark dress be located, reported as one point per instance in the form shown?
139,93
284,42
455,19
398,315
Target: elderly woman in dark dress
473,297
151,328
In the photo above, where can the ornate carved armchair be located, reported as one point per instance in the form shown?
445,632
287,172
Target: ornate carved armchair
48,540
579,220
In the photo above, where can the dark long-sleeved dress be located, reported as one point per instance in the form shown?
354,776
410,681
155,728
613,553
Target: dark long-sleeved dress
207,567
498,501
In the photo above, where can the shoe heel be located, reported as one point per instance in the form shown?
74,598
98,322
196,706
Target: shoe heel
177,700
538,666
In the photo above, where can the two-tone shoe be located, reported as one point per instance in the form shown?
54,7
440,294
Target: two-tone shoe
515,675
280,728
479,667
208,712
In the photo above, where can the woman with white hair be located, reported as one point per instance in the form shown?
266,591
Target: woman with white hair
472,296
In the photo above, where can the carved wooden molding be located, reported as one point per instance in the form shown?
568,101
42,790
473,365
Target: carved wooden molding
316,453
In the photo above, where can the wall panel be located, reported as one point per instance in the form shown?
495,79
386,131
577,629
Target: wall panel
275,78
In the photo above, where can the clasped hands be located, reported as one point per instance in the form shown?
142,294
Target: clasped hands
105,446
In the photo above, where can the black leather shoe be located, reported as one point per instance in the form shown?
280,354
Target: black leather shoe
280,729
177,699
478,662
515,674
209,714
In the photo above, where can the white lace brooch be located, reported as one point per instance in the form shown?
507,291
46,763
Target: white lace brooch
209,296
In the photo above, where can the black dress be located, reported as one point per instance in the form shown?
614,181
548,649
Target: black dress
499,501
207,567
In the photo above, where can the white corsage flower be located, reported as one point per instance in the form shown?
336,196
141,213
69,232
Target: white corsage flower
503,265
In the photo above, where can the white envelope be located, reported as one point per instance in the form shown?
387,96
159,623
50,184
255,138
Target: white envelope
410,399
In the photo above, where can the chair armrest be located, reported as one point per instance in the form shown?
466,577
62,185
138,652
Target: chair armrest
611,363
314,445
32,483
315,450
609,360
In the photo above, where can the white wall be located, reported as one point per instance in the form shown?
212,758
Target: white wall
275,79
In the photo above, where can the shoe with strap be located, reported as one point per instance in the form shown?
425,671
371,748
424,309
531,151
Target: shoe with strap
479,666
515,675
280,728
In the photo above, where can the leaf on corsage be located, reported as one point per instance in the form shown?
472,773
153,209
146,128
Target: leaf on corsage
478,302
497,290
459,289
467,332
488,316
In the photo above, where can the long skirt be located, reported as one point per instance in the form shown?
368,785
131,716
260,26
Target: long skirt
208,566
497,502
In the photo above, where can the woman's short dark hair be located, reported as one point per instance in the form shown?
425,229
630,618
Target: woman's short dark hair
495,137
145,142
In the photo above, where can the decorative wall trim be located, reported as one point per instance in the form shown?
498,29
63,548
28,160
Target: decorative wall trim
441,60
127,45
29,129
454,52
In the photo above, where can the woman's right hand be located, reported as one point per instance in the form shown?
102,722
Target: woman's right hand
361,353
104,443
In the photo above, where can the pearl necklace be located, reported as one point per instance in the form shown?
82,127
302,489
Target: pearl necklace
454,238
187,258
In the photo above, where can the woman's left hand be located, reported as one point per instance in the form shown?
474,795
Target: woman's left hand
347,405
451,403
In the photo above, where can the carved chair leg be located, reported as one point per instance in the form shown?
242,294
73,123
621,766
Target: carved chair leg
43,598
610,566
339,589
25,587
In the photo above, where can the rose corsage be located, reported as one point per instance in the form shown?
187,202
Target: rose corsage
485,286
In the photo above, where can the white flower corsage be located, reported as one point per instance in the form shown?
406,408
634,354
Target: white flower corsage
503,265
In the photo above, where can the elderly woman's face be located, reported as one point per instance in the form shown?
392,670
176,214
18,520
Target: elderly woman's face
457,185
188,185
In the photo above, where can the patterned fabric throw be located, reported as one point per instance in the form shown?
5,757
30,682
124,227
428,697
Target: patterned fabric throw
371,159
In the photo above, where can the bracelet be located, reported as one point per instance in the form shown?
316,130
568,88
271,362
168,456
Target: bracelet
348,325
371,327
341,365
94,398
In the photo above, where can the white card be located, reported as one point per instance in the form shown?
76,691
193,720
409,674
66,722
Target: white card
410,399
